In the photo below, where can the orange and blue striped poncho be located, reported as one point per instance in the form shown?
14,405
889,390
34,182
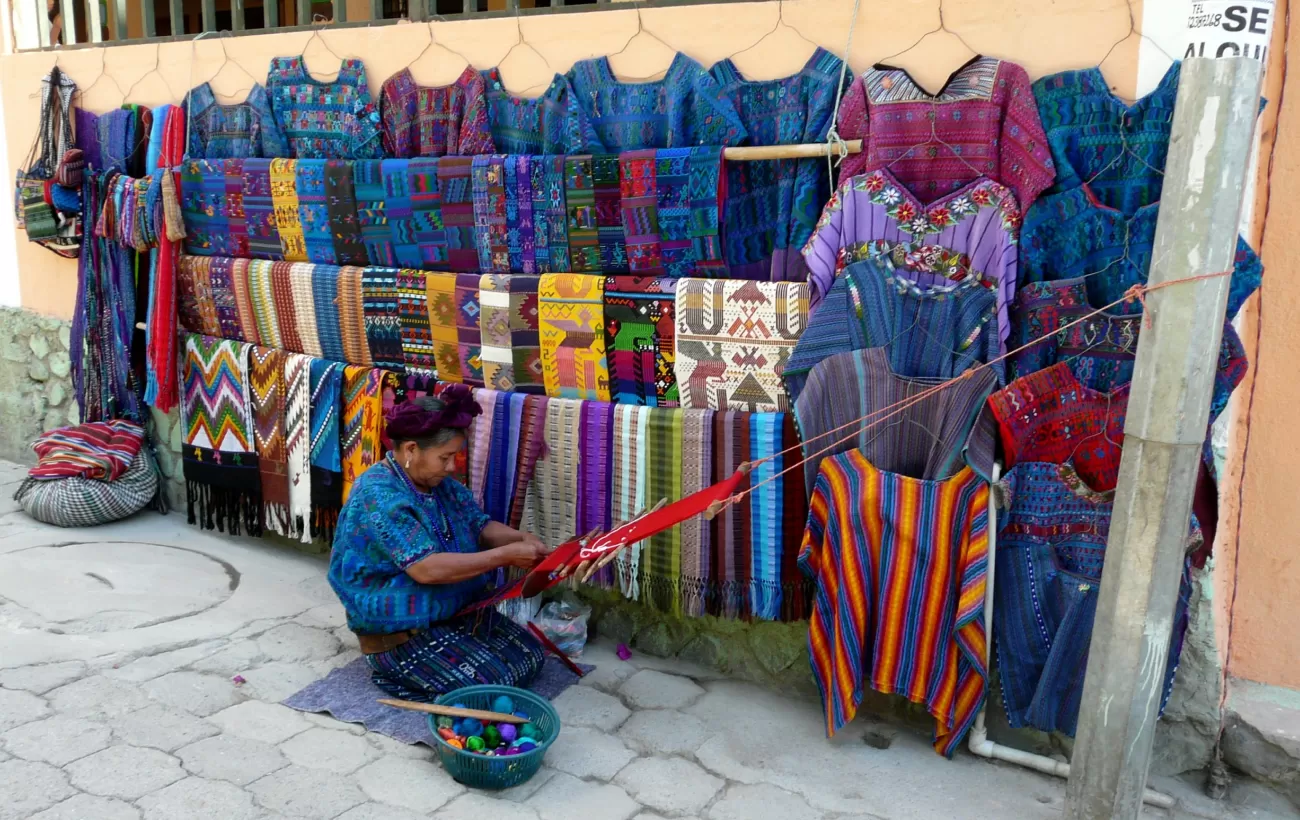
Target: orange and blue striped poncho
899,565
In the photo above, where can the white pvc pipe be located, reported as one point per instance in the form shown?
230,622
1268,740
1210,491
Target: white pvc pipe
979,742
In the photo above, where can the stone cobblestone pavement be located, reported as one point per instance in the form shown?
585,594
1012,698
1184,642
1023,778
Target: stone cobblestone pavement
119,649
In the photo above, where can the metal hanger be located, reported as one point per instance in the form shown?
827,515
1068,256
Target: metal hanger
640,30
521,40
319,21
942,28
779,25
102,75
227,61
1133,30
1125,149
157,53
900,422
434,41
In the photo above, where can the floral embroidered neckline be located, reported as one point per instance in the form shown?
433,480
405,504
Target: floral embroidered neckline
918,220
1070,477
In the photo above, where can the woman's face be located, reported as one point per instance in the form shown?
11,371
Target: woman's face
428,467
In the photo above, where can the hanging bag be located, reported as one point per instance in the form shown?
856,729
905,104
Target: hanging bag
55,229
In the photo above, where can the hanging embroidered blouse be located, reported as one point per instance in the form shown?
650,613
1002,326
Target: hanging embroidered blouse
980,220
985,113
553,123
1118,150
685,108
324,120
900,566
772,206
939,330
424,121
241,130
1073,234
1100,350
928,438
1050,552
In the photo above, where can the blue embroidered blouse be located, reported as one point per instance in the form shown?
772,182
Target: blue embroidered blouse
683,109
320,120
238,131
550,124
772,207
386,526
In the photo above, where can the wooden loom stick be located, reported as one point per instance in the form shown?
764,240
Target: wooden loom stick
454,711
605,559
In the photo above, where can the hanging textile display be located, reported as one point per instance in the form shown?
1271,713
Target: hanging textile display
455,194
708,186
326,404
522,242
498,490
480,442
284,202
314,211
469,339
286,310
936,331
259,210
297,443
607,193
580,203
233,200
382,317
511,345
772,206
550,204
628,490
372,218
980,221
267,390
301,276
553,123
733,341
640,339
684,108
195,304
352,321
571,328
222,476
595,446
344,222
528,418
413,315
326,304
397,213
444,316
334,120
1050,553
553,493
639,203
919,633
488,182
239,130
162,388
935,433
261,288
361,422
425,121
984,115
661,555
204,208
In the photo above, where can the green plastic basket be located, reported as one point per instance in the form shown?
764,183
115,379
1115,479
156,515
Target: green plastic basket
480,771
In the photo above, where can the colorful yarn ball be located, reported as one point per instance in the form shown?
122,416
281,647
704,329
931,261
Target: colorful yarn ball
503,704
492,736
445,722
455,743
528,730
508,732
471,726
475,743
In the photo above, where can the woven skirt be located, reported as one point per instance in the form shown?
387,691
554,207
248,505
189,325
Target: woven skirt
482,647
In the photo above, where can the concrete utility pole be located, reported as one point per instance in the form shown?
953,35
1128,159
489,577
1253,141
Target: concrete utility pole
1168,410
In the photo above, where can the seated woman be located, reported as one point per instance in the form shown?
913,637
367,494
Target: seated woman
412,549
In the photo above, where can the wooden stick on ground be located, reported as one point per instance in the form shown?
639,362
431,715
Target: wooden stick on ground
452,711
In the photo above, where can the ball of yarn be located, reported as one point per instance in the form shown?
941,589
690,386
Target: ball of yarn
475,743
492,736
528,730
503,704
509,732
472,727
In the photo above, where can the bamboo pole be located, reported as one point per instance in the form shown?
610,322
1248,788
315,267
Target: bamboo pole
748,153
453,711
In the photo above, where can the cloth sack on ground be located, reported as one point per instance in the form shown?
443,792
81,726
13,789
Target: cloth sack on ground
85,502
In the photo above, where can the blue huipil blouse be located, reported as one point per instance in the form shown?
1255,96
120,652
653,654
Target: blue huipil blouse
237,131
772,207
386,526
550,124
685,108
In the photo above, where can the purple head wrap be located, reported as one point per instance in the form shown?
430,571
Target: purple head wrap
408,420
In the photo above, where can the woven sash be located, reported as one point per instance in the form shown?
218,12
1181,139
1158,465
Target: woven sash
362,418
286,305
297,434
673,211
284,199
531,443
555,206
640,334
640,212
266,380
314,212
398,212
376,236
580,202
456,193
259,211
468,337
245,316
383,322
510,345
609,215
234,207
326,456
262,292
488,184
571,329
341,205
352,320
301,276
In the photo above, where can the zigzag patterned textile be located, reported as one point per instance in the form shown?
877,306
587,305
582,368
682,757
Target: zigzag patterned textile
511,348
640,334
266,380
383,321
222,482
708,192
733,339
297,439
571,328
259,211
362,421
326,455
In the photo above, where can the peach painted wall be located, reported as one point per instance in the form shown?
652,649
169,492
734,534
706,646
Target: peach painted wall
1042,37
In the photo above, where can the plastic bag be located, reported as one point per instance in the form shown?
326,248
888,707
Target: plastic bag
564,621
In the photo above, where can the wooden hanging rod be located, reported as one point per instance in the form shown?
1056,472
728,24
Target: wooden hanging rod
810,149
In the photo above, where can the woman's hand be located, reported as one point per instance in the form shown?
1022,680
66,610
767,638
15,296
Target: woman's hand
526,553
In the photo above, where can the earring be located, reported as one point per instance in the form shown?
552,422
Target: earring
408,462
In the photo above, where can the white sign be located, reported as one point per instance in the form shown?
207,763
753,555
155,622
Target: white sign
1229,28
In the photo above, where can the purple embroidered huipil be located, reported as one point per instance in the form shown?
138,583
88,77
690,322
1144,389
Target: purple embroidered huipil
423,121
550,124
237,131
980,220
772,206
683,109
985,111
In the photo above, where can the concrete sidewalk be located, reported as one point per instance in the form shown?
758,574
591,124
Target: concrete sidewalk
120,647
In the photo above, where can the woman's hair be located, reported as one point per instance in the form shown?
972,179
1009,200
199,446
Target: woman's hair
432,421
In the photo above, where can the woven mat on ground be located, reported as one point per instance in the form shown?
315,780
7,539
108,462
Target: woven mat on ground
348,694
